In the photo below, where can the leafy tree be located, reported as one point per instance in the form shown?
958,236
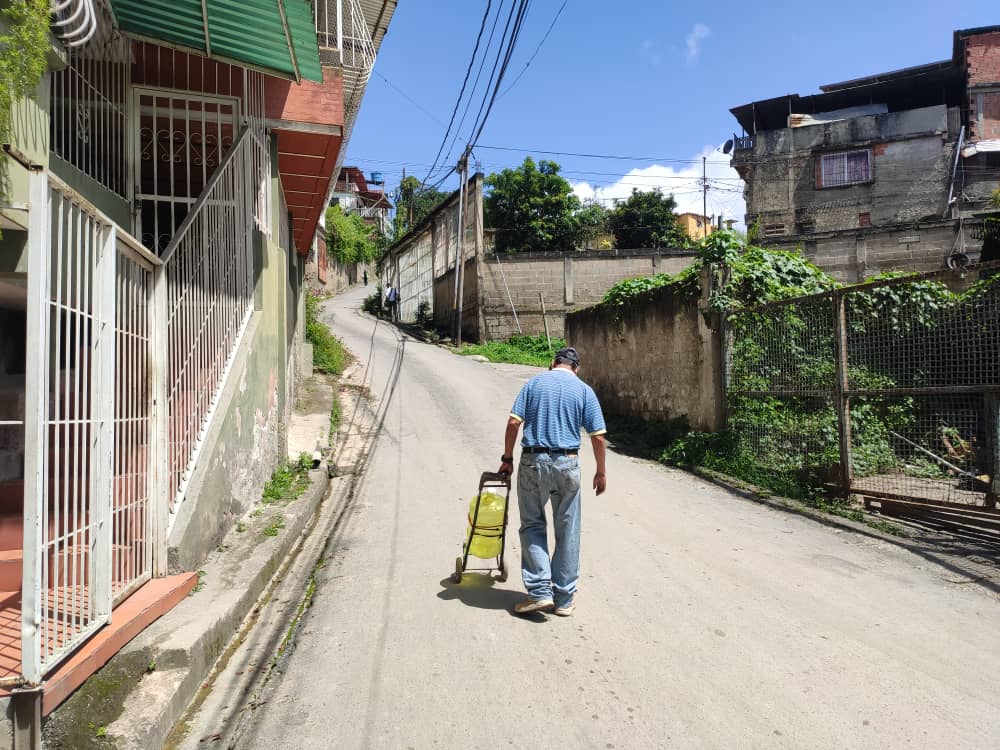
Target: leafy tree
592,221
647,219
413,205
532,208
349,239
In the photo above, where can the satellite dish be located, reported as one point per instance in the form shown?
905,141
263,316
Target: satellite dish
728,146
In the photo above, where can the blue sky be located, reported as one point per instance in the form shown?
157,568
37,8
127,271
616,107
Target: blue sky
646,79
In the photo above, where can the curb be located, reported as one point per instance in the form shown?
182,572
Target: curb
142,692
985,577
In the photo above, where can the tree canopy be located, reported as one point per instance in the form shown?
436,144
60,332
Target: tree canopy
349,239
532,208
647,219
413,205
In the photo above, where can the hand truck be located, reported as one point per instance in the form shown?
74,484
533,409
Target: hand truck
488,480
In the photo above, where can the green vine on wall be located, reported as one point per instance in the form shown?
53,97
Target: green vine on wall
24,48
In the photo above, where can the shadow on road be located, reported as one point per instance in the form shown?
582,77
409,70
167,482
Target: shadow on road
478,590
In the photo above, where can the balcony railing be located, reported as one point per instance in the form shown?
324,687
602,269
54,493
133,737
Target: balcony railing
742,144
343,36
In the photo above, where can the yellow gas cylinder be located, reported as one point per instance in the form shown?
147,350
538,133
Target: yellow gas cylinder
489,525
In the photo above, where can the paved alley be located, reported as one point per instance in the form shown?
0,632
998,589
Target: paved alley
704,620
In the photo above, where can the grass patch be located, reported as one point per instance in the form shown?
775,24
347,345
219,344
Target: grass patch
672,442
336,415
200,585
329,354
272,529
517,350
288,481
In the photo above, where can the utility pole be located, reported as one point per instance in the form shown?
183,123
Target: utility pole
463,176
704,197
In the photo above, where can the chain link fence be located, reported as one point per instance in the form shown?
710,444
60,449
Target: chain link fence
887,390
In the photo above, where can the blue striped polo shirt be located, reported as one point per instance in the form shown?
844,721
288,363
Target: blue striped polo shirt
554,406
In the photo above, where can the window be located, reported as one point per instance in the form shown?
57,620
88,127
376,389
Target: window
774,230
865,219
847,168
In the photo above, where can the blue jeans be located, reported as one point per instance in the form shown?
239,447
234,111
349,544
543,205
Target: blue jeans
541,478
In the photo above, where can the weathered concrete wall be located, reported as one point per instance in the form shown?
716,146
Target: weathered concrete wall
444,294
856,254
654,358
895,221
567,281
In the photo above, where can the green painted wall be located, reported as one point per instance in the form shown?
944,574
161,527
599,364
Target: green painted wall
248,439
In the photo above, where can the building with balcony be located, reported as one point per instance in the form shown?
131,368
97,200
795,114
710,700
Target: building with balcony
160,191
891,171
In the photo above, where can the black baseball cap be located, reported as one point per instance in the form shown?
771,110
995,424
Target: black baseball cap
569,354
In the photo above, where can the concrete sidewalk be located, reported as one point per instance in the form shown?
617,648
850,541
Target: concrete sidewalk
141,694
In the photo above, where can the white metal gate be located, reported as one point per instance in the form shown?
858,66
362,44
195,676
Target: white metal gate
181,139
87,423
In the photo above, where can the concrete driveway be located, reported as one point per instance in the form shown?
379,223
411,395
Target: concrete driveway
704,620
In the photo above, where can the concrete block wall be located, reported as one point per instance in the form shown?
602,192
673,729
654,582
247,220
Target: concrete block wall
566,281
854,256
654,358
444,294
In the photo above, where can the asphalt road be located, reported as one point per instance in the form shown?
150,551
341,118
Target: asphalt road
703,620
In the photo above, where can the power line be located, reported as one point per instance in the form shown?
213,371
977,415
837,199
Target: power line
410,99
533,54
465,81
475,84
480,121
597,156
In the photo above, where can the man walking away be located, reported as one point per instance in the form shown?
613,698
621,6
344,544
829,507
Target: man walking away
392,298
553,407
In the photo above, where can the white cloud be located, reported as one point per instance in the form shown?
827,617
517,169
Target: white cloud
725,189
699,32
649,52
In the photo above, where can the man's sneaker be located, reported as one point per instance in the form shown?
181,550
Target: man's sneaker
533,605
566,610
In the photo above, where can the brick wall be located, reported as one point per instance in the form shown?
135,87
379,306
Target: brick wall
982,58
567,282
654,358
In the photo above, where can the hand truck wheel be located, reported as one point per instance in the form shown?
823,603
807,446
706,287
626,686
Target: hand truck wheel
502,577
457,575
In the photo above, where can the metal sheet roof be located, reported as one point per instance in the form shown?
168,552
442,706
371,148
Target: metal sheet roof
276,35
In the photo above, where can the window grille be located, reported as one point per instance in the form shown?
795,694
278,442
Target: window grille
847,168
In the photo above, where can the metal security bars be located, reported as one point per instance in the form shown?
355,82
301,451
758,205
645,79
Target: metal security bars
89,117
888,390
132,549
345,41
209,287
85,516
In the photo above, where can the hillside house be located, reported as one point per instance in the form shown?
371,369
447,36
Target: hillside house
891,171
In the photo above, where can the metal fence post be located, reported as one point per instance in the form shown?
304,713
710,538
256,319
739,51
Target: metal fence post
842,401
35,423
993,446
159,424
102,443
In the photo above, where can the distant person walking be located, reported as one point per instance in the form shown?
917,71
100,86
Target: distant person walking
392,299
553,407
364,276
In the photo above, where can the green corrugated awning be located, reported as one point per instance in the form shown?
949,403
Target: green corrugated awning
276,35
